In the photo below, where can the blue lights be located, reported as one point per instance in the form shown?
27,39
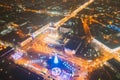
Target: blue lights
55,61
61,68
114,27
69,67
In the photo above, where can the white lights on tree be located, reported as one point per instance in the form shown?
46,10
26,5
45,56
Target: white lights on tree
56,59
